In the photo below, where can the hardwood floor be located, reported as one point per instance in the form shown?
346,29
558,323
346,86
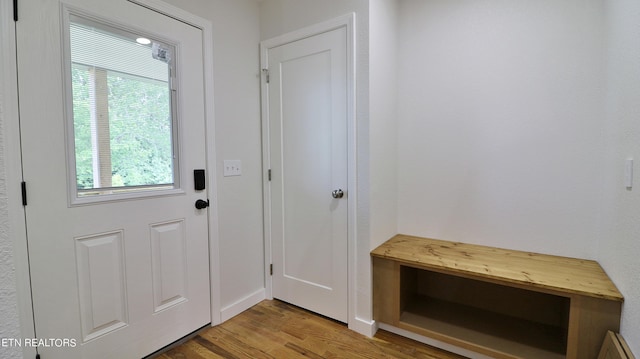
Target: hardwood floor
274,329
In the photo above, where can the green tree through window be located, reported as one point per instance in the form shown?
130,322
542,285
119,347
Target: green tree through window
123,123
139,127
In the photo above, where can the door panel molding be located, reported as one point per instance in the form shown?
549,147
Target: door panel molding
169,263
348,22
101,283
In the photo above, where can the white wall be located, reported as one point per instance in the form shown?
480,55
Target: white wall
383,115
14,321
501,123
10,323
236,35
10,327
278,17
515,120
619,248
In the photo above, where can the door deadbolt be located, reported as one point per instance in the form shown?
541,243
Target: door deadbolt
337,193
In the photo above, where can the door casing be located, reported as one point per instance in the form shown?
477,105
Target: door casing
13,161
347,21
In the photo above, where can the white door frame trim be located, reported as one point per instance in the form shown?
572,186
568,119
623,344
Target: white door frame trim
214,236
349,22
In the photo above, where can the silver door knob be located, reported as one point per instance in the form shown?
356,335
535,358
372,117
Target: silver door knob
337,193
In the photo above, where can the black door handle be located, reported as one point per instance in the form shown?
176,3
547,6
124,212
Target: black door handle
202,204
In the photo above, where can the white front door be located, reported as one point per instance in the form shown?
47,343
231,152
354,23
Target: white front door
307,101
112,131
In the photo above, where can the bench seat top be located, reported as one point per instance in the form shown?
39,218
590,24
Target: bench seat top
563,275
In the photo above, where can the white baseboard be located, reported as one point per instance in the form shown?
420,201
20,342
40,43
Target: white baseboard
365,327
241,305
434,343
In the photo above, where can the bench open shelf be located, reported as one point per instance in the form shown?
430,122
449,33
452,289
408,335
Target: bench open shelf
494,301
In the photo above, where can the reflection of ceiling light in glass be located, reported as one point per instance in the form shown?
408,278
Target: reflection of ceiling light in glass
143,41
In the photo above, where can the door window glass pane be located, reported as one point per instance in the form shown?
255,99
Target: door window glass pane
123,116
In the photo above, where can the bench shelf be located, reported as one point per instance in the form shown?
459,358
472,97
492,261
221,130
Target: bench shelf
505,304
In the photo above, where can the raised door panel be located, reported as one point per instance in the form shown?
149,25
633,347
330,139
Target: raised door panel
168,264
101,283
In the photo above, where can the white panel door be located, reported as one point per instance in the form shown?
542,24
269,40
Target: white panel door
308,161
119,263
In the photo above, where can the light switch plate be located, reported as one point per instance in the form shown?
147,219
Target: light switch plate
232,168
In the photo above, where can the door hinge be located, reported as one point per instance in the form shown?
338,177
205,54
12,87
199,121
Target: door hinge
15,10
271,269
24,193
266,74
269,174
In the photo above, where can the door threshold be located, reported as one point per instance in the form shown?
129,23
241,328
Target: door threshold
178,342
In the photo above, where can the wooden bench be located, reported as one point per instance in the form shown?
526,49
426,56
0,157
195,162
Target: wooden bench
501,303
615,347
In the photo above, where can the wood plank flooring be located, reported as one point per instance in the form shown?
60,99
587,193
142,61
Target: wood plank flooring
274,329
